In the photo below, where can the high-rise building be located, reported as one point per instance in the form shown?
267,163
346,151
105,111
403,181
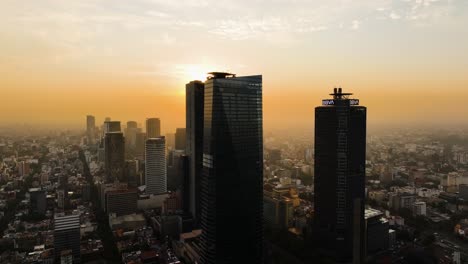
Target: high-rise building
131,172
377,227
38,200
132,124
130,134
153,128
112,126
194,103
340,153
402,200
67,236
61,198
175,174
277,211
114,148
232,181
140,140
170,140
180,138
155,165
91,129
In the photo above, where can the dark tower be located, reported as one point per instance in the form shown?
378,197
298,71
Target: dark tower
194,96
91,129
114,149
180,138
340,153
232,179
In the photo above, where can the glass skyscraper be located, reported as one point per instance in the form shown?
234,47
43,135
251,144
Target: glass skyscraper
194,143
232,177
114,149
339,187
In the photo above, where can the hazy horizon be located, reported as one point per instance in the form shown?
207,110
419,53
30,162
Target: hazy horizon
406,60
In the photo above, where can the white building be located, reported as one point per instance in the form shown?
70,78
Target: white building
155,165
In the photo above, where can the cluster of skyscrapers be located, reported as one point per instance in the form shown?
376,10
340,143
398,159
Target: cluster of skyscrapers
223,168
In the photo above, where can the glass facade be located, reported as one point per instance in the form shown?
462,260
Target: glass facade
232,177
114,149
340,150
194,92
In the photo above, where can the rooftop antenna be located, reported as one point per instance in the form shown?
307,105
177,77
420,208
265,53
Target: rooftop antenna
339,95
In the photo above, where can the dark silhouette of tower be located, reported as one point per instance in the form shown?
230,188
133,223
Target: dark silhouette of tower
112,126
91,129
130,134
232,181
114,152
194,94
340,152
180,139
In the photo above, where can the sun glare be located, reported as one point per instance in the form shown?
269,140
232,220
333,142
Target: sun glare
197,72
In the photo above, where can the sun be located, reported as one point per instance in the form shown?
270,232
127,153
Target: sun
196,72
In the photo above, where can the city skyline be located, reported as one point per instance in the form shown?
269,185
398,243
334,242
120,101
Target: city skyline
132,61
200,131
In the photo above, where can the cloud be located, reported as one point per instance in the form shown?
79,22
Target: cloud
79,28
168,40
394,16
355,24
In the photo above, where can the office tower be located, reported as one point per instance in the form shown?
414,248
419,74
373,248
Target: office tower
278,211
180,138
170,140
114,148
153,128
340,154
131,172
24,168
376,226
67,235
62,192
194,103
130,134
132,124
140,140
232,181
61,198
38,201
121,202
402,200
184,169
111,126
175,177
91,129
155,166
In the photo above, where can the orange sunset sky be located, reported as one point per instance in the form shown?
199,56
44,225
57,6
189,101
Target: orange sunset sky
406,60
